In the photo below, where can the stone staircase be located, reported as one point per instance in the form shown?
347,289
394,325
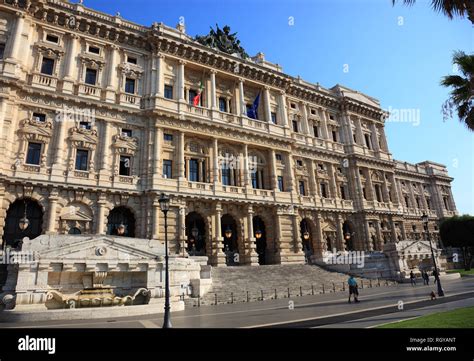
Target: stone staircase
248,284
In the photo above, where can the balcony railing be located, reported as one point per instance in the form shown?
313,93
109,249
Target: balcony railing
130,99
89,90
44,81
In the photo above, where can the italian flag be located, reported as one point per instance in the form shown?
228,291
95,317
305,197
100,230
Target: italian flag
197,98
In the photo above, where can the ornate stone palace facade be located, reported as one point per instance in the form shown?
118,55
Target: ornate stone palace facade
97,120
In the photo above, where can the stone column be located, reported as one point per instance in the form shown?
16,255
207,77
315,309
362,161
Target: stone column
324,125
156,220
341,244
3,109
100,228
266,100
282,109
290,173
332,180
359,134
246,165
251,256
375,138
242,107
181,161
213,90
70,64
12,53
393,232
181,96
369,185
370,246
58,161
112,77
218,256
298,242
304,107
182,226
274,173
158,138
386,196
312,179
215,156
53,203
318,243
158,86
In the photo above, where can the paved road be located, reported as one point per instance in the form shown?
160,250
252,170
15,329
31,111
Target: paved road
378,305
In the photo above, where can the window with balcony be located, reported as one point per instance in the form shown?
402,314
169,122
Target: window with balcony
82,157
52,38
130,86
91,76
257,179
343,192
368,143
273,117
302,188
39,117
193,170
168,137
33,155
324,190
167,168
295,126
47,66
280,183
168,92
316,131
223,104
226,176
125,165
378,193
191,95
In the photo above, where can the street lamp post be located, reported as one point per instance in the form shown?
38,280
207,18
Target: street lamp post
165,206
424,218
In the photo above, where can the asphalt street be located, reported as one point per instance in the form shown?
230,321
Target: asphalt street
378,305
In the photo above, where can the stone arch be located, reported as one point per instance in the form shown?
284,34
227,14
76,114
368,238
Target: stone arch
267,216
198,244
260,228
329,230
12,234
350,235
121,215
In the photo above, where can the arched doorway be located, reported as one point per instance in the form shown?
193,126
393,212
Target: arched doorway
12,234
261,238
121,216
348,233
230,235
195,234
74,230
306,233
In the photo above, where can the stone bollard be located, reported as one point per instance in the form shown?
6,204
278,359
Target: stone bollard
276,295
215,297
312,290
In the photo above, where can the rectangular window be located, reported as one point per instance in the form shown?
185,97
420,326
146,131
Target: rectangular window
302,188
378,193
295,126
193,170
278,157
226,176
91,76
316,131
2,50
428,203
191,94
94,50
280,184
364,192
446,204
131,60
223,104
85,125
273,115
254,180
299,162
407,203
130,86
125,165
168,137
168,91
354,137
34,153
334,136
367,141
81,159
127,133
324,192
331,117
52,38
343,192
47,66
39,117
417,202
167,168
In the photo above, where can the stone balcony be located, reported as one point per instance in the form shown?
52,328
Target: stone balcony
89,91
130,100
44,81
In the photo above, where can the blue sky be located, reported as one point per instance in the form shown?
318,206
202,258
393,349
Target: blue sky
395,54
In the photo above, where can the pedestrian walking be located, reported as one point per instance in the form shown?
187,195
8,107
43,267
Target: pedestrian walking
353,289
412,278
435,273
427,278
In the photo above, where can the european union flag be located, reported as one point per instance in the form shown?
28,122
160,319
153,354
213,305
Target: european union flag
252,112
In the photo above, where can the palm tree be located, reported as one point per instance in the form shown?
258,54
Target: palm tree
462,94
450,8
